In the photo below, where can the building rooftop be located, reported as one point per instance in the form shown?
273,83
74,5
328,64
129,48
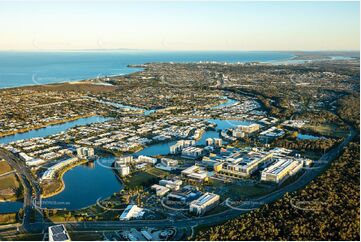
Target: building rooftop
58,233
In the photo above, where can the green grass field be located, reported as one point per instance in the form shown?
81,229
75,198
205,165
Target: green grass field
157,172
141,179
9,181
328,130
4,167
8,218
235,191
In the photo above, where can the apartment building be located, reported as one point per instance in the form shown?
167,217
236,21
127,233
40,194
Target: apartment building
180,145
84,152
192,152
248,128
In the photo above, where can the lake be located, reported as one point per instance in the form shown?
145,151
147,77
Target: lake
52,129
85,184
307,136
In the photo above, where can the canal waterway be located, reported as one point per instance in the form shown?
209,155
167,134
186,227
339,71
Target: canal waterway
85,184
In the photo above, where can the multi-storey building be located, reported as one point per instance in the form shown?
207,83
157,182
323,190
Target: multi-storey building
248,128
281,169
180,145
242,165
204,203
84,152
192,152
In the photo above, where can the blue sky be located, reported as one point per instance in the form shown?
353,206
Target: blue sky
230,25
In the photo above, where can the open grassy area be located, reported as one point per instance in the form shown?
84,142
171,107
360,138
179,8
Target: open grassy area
328,130
7,218
9,187
85,236
157,172
140,179
9,181
4,167
236,191
25,237
51,187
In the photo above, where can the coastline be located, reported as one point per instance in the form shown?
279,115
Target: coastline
87,81
130,66
294,56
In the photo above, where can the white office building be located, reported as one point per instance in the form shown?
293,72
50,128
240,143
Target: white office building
195,173
169,162
132,211
281,169
204,203
31,161
160,191
171,184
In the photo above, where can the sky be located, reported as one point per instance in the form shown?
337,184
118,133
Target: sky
170,25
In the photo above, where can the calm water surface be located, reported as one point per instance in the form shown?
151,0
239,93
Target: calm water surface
52,129
34,68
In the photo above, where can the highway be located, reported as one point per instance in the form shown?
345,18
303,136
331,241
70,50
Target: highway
28,182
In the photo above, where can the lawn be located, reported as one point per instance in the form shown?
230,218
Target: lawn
4,167
9,181
236,191
7,184
79,236
328,130
25,237
140,179
51,187
157,172
8,218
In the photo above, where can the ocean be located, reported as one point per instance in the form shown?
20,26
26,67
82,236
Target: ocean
35,68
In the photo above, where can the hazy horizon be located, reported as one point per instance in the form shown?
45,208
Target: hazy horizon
179,26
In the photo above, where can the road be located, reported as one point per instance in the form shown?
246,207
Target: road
302,181
28,182
7,173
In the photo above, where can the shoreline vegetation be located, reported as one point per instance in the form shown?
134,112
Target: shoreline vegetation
60,180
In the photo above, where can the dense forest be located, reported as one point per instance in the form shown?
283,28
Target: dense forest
327,209
349,109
